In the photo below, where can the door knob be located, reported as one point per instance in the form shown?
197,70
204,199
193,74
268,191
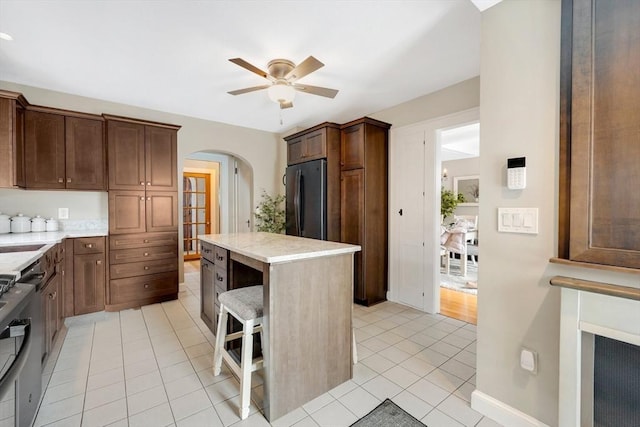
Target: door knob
400,212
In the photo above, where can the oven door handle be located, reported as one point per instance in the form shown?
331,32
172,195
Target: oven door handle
18,363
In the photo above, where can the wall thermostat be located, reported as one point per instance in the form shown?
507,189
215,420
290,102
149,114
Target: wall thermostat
516,173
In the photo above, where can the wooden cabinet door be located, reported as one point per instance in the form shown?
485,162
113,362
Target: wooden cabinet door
89,282
352,147
44,150
295,153
85,154
162,211
315,145
161,159
605,135
125,146
11,143
127,212
352,221
207,289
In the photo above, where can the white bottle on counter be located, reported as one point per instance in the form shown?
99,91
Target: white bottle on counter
52,225
20,224
38,224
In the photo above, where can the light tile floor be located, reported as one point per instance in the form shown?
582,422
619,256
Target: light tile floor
152,367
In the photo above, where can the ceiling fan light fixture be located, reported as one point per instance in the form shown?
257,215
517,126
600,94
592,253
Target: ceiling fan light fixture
281,93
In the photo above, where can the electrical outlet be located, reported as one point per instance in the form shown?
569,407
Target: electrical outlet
63,213
529,360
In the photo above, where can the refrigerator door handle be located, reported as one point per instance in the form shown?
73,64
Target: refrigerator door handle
302,203
296,202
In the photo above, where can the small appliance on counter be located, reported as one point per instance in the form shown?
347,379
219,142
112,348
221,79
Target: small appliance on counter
20,224
38,224
5,223
52,225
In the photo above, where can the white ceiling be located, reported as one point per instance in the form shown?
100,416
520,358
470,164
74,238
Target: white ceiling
462,142
173,55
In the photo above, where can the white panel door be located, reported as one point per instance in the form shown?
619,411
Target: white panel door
409,190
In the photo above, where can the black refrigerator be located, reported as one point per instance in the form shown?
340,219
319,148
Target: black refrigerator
306,210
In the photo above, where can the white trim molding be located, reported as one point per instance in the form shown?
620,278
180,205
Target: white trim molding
501,412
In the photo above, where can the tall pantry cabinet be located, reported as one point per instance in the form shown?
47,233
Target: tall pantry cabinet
143,212
363,204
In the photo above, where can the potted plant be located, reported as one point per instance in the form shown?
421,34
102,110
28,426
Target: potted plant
448,202
270,214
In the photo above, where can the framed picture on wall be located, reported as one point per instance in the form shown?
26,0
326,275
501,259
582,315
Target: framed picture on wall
469,186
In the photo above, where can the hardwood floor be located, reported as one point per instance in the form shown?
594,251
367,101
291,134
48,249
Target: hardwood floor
459,305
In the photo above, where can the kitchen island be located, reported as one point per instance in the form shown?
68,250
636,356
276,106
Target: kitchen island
308,295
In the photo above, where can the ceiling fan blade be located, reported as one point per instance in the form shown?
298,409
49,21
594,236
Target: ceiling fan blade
317,90
307,66
284,105
244,64
247,89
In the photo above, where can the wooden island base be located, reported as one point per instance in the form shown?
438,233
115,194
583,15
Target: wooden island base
308,294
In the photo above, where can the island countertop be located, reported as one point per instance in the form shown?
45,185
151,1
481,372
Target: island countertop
277,248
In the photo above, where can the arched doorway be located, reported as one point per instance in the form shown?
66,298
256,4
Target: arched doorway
223,205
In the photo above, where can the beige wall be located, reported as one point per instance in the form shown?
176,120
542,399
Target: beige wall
519,96
83,205
459,97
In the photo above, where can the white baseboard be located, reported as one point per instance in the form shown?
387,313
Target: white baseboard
502,413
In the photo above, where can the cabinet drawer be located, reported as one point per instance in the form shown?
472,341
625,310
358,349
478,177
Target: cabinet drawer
139,288
131,269
142,240
206,251
88,245
221,257
143,254
220,278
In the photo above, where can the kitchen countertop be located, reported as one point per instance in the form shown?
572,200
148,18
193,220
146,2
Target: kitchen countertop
14,262
277,248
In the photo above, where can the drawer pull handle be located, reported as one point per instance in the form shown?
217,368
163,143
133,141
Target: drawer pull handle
88,245
142,199
141,182
146,241
60,180
218,278
146,267
149,183
99,262
219,258
146,286
146,254
68,179
148,198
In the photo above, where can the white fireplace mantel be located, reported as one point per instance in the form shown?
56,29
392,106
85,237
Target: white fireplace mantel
590,308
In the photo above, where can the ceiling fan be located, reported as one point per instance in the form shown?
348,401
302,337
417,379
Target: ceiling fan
283,75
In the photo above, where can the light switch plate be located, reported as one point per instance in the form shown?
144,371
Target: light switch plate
63,213
518,220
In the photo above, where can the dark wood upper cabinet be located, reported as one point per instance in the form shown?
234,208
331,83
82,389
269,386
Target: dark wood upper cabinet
142,155
160,156
44,150
12,106
85,154
600,132
126,146
311,145
63,151
352,153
